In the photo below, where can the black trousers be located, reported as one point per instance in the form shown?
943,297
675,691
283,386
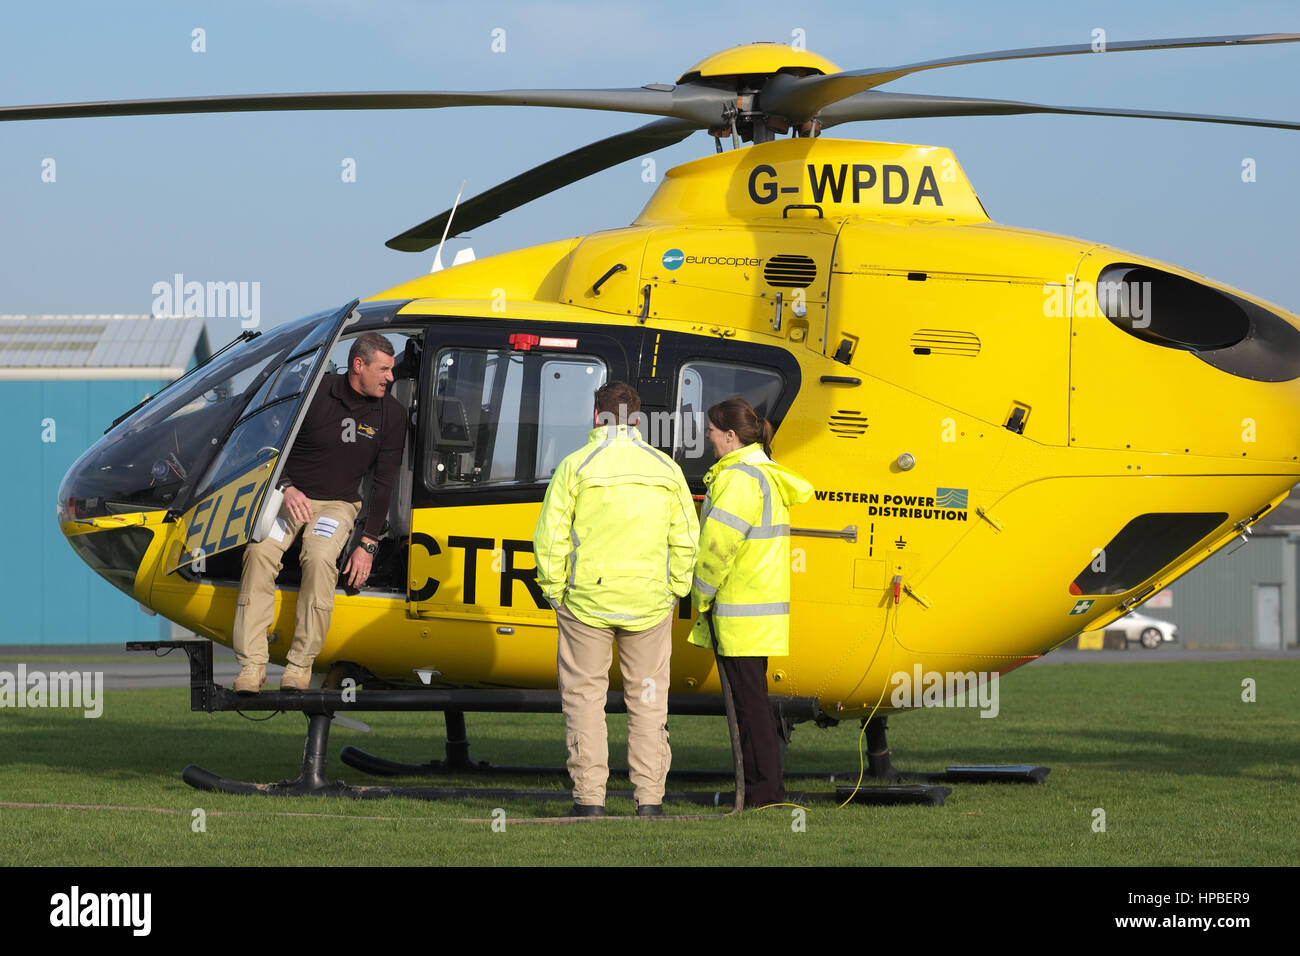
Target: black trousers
760,742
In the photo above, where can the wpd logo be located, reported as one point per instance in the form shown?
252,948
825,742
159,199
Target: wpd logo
674,258
950,497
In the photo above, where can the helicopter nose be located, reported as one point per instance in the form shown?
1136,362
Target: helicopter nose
102,508
114,547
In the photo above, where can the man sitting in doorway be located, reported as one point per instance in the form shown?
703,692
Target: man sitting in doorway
351,426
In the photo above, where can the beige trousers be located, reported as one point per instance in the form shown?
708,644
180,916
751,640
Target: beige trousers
583,662
324,536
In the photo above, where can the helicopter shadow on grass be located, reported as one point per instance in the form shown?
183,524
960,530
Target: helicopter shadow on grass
121,748
1137,751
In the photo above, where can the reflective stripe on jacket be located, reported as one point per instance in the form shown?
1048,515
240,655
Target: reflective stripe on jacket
615,542
742,573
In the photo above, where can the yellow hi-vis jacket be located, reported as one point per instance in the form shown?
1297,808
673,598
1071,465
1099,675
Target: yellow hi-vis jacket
615,542
742,573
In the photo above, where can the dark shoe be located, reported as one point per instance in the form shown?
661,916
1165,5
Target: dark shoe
650,810
586,810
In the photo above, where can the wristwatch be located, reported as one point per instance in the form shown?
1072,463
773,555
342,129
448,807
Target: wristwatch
370,546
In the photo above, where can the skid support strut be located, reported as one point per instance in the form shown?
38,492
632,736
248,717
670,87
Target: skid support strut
320,706
879,766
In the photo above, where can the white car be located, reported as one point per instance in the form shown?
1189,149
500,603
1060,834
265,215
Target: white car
1151,632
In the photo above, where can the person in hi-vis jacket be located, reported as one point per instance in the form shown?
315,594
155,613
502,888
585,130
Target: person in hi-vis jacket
741,587
615,547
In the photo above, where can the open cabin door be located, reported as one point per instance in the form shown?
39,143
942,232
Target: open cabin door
237,500
501,406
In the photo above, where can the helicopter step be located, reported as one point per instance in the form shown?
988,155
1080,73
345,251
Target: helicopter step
208,696
879,766
319,707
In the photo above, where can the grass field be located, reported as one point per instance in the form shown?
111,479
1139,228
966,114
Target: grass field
1184,770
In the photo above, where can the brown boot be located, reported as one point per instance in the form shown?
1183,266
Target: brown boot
251,679
295,677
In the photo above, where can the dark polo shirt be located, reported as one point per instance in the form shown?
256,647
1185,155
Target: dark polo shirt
343,435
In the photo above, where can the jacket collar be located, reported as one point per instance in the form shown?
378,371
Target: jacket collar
613,433
744,453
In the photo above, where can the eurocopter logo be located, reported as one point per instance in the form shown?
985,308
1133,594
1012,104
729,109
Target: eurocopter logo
675,259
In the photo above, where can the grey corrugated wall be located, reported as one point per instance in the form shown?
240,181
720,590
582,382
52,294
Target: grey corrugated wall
1214,604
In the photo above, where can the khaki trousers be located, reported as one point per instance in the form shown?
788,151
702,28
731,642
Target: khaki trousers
324,537
583,662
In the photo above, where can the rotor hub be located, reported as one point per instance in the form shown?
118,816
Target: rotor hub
756,60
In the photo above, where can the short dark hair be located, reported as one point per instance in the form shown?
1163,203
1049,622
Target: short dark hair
618,399
366,345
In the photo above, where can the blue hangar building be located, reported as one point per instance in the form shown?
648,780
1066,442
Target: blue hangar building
63,379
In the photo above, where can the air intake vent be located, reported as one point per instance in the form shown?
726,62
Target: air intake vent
790,272
1219,328
847,423
945,342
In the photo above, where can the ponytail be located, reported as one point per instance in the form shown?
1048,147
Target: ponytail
765,436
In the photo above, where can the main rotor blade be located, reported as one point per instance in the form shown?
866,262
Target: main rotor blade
699,104
544,179
799,99
879,105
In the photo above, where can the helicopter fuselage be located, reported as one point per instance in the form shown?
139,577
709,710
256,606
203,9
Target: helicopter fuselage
1013,436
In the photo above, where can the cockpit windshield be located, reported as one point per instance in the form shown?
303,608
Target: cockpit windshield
153,458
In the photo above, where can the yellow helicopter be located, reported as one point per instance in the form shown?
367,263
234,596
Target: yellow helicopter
967,398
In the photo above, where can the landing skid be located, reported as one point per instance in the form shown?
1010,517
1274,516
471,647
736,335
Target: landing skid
879,766
319,706
458,761
313,782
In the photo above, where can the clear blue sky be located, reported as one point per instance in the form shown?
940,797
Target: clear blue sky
258,197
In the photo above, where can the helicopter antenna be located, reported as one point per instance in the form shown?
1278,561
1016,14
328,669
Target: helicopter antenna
437,256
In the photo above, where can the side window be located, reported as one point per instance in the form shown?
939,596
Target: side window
257,438
568,388
194,423
700,385
1143,546
261,433
507,417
